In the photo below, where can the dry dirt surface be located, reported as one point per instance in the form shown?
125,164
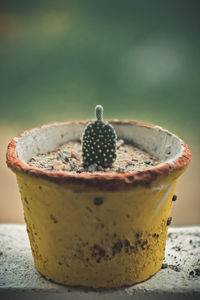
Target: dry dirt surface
185,211
68,158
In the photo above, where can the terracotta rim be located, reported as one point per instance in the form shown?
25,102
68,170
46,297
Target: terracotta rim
109,180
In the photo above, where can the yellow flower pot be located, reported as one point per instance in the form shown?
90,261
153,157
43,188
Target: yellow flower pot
98,230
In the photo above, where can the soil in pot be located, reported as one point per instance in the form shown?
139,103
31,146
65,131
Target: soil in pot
68,157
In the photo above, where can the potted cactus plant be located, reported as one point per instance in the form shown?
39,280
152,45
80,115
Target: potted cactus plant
99,141
99,229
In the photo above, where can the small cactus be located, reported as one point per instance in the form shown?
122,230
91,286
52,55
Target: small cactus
99,141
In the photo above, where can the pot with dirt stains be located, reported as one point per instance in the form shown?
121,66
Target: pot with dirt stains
98,230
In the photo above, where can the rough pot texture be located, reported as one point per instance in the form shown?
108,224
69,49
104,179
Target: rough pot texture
98,230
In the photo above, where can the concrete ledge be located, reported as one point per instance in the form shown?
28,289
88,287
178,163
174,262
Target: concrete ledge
179,278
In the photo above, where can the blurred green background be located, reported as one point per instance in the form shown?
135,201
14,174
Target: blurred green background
140,59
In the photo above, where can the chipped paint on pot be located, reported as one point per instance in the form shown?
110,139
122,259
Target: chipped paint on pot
98,230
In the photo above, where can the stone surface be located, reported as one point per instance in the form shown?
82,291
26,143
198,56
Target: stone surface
179,278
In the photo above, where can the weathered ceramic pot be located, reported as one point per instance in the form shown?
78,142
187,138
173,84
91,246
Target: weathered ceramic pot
98,230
